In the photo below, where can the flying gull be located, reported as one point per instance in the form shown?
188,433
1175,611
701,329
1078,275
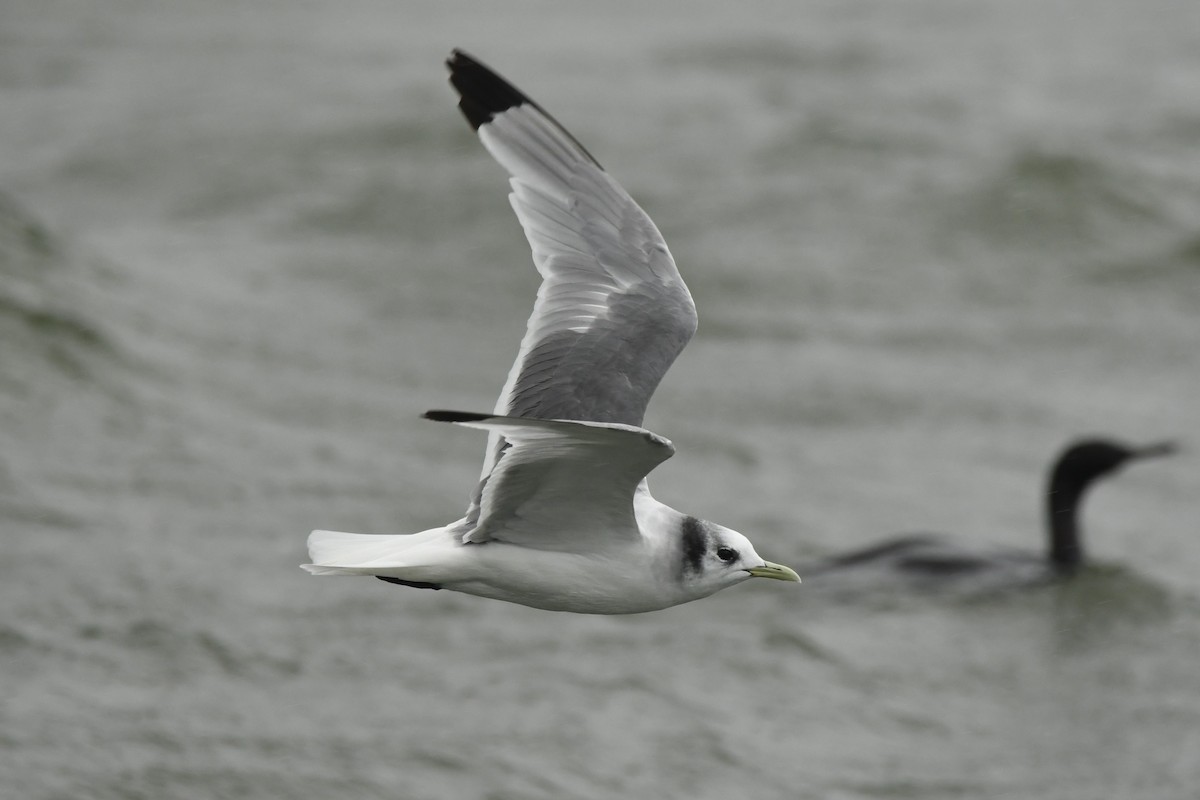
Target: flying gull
562,518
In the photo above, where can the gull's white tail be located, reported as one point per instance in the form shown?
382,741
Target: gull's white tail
338,553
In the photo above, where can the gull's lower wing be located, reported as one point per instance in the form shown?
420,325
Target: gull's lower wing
612,312
559,480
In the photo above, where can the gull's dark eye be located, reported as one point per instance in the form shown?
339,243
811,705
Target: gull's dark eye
727,554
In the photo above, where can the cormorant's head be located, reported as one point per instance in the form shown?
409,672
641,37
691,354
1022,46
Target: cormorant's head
1088,459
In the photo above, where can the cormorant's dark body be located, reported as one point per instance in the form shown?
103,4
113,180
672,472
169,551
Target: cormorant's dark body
934,560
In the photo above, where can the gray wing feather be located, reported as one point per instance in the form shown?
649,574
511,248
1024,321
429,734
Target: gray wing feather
612,312
560,479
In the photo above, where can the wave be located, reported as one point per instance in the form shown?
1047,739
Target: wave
175,648
1053,200
61,369
1173,266
758,55
43,315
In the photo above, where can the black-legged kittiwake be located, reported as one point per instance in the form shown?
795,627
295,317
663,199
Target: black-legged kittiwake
562,518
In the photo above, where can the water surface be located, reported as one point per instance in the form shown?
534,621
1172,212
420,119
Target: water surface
243,247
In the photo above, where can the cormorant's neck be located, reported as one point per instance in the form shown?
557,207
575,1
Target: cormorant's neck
1062,506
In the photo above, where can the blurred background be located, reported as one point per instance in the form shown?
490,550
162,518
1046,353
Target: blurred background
244,246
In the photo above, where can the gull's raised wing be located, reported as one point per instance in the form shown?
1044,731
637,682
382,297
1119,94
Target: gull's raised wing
612,312
560,482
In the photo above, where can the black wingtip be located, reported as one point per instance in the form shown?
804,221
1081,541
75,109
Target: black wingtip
438,415
414,584
482,93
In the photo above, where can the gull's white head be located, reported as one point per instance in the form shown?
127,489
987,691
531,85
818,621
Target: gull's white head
711,557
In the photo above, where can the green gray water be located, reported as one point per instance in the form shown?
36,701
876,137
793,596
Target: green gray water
243,246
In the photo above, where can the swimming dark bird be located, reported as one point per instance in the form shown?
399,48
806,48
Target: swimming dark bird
936,561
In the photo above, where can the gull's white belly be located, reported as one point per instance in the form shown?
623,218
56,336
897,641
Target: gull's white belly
614,581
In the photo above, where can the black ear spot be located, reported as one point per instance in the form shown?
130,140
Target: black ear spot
694,545
727,554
